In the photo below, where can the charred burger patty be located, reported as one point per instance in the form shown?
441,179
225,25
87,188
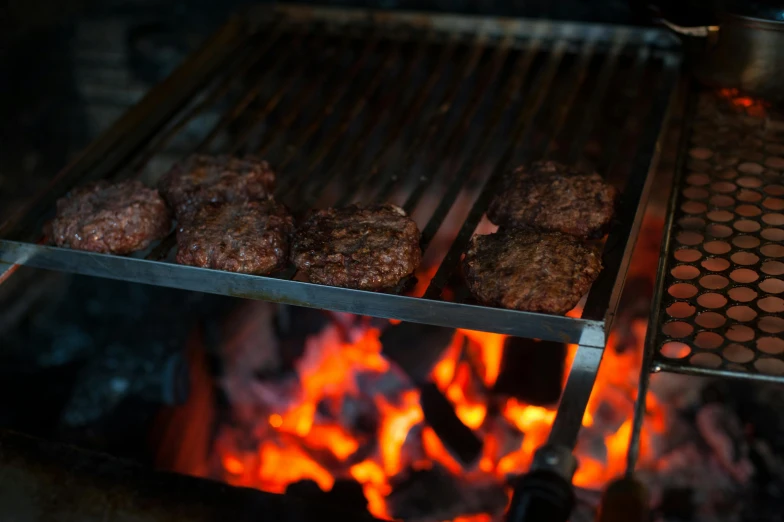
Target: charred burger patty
552,197
117,218
369,248
201,180
529,270
251,237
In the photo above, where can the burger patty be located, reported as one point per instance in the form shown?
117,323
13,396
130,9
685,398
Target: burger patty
202,180
251,237
117,218
553,197
530,271
369,248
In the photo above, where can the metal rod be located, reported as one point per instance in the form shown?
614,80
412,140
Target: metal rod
452,143
604,294
339,90
440,110
281,62
565,108
470,161
405,116
220,90
633,82
352,114
358,145
329,70
656,309
523,128
444,108
45,480
579,384
441,313
599,92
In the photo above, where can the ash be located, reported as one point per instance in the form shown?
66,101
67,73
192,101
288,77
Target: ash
722,457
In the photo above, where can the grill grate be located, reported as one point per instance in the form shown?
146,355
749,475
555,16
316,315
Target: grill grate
423,111
721,299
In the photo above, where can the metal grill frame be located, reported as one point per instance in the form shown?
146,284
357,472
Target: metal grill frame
154,121
654,360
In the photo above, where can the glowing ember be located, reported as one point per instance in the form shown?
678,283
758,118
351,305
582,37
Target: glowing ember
752,106
302,438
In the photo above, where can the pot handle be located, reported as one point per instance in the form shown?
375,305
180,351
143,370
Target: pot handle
700,31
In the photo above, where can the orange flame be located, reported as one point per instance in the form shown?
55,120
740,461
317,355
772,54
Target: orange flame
395,425
299,442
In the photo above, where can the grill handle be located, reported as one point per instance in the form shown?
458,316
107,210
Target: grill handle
541,496
545,493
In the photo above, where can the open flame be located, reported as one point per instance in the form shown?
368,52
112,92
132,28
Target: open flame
306,435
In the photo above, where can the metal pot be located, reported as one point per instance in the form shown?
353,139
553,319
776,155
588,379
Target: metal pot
743,50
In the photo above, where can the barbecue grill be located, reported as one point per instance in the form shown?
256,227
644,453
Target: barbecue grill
426,111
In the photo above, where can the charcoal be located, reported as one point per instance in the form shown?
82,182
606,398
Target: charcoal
531,371
430,343
345,494
508,438
390,384
348,494
306,489
458,438
435,494
417,364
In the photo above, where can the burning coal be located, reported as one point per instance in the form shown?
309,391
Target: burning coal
346,412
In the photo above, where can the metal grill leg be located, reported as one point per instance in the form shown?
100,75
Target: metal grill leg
545,493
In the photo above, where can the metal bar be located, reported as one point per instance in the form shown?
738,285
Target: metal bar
325,77
111,151
565,108
474,157
579,384
512,322
656,310
359,145
221,89
603,297
615,131
444,108
339,91
439,113
406,114
356,110
599,92
664,366
282,60
460,130
523,128
469,24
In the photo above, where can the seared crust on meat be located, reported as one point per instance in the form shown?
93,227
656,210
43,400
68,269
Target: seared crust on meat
553,197
251,237
370,248
202,180
530,271
117,218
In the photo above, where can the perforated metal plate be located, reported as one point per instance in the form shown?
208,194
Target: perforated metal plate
721,302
